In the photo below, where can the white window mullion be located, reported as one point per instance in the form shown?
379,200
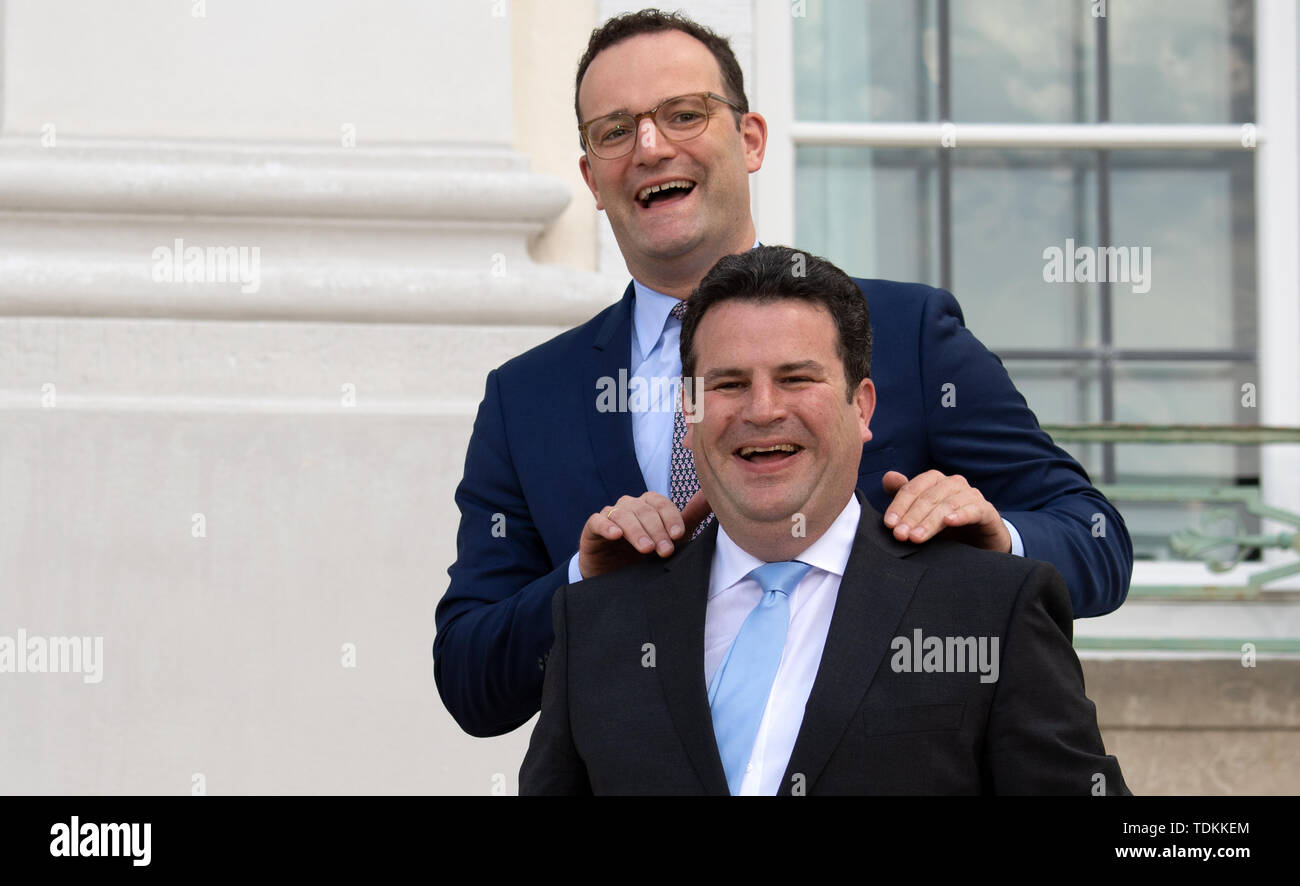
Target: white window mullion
772,188
1084,136
1277,202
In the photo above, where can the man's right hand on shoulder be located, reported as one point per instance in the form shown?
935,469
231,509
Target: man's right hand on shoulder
632,528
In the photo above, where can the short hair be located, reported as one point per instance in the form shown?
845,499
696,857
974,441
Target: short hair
652,21
773,273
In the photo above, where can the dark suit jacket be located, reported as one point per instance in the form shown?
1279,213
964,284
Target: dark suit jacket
543,458
611,725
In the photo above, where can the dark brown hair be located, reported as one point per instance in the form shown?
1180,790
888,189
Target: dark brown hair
772,273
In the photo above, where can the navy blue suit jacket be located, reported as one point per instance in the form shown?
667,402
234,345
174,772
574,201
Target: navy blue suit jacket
543,458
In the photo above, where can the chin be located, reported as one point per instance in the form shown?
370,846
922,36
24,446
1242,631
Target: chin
671,236
769,511
667,248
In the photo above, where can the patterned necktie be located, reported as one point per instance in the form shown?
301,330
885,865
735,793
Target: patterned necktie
743,681
682,481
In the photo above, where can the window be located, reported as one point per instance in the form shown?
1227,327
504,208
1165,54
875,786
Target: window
956,143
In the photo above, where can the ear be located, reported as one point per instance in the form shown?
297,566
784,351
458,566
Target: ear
589,177
753,133
865,403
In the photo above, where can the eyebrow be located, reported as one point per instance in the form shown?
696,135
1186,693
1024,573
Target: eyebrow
801,365
624,109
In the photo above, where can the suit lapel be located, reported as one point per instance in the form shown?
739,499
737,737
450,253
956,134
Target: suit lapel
675,609
874,593
610,432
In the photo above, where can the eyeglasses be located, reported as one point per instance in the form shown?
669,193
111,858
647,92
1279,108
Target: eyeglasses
679,119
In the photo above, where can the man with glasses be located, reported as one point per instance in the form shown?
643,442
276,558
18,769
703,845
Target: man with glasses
564,481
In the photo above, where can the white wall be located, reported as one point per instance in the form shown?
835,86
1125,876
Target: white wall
317,421
402,71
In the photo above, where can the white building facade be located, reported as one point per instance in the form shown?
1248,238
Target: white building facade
256,260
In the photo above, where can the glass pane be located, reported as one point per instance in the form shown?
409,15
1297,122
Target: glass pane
1185,392
1026,61
1023,61
872,212
1063,392
1008,209
1193,214
1182,61
872,61
1152,524
1189,392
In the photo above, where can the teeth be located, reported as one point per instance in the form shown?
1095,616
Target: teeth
645,193
746,451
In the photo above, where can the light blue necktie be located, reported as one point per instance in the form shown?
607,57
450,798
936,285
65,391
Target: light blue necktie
743,681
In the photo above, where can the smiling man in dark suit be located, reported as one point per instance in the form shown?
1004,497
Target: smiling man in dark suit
796,646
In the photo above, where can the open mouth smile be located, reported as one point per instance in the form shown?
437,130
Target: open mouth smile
769,457
664,193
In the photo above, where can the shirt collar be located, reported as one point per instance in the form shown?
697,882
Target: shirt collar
650,312
830,553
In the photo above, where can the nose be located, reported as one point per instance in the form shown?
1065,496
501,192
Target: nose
765,403
651,145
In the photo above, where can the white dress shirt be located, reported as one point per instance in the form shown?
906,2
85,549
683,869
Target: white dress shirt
732,596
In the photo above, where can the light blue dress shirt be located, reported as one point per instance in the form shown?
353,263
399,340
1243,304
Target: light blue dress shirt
657,366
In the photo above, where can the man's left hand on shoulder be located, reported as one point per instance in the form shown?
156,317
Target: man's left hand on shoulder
935,502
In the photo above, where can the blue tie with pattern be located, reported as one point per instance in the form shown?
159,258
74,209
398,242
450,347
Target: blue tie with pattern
682,480
743,681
